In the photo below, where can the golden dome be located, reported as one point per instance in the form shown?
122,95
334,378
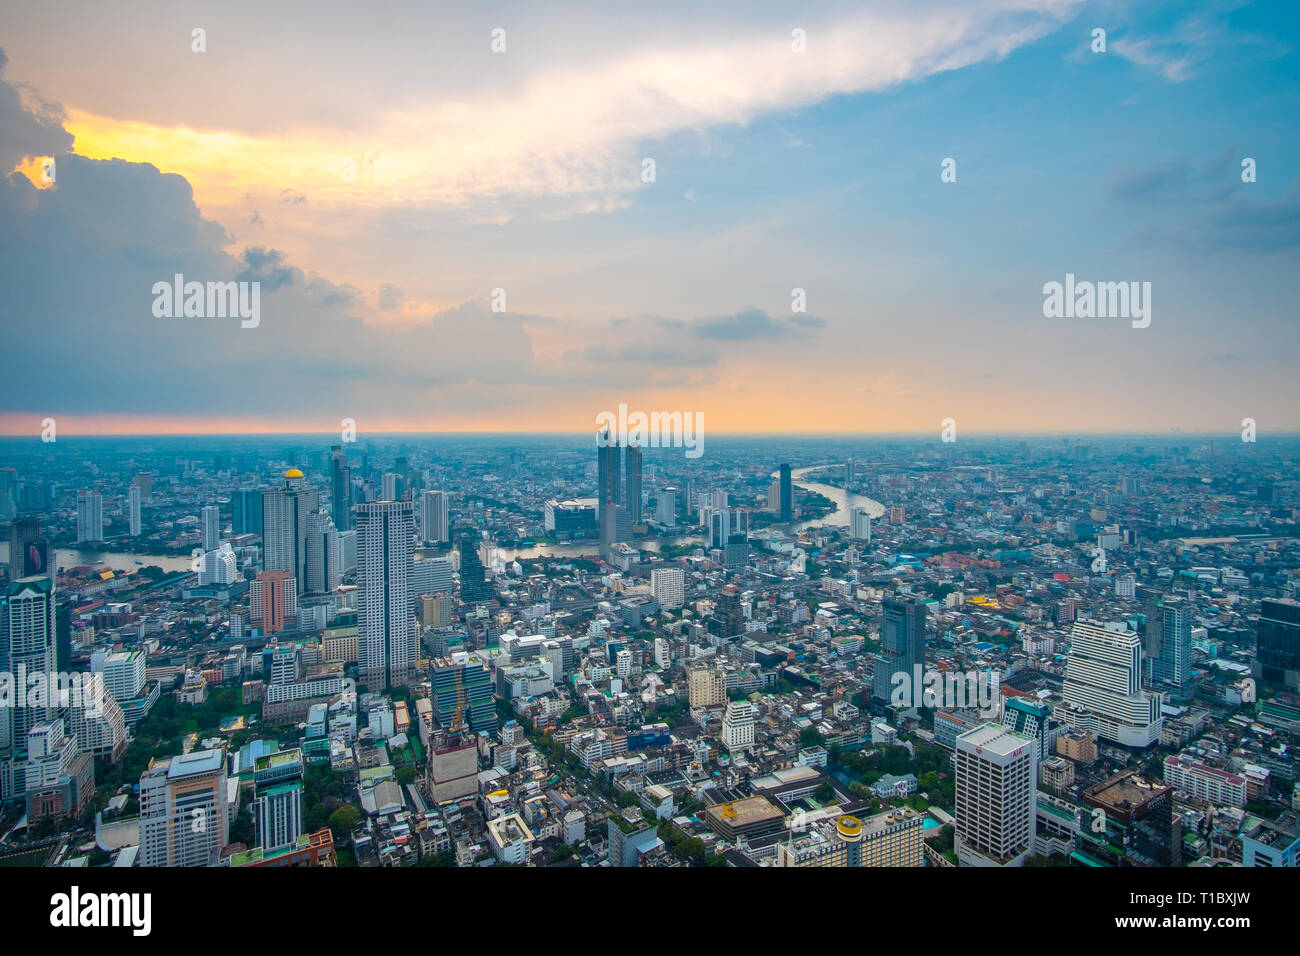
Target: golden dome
293,473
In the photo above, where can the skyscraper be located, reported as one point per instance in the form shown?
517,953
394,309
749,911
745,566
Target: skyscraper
1277,644
902,636
609,487
787,495
1168,644
284,526
90,516
386,626
324,561
435,517
28,646
860,524
133,510
474,587
340,490
29,550
632,468
273,601
211,520
996,788
1103,686
246,511
277,799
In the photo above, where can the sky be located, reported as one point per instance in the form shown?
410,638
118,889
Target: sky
392,182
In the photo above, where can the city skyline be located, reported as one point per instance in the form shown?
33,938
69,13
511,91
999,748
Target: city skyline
776,169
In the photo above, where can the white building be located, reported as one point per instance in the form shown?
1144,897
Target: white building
435,524
1103,686
738,725
211,527
133,509
90,516
122,671
996,788
668,585
219,566
184,819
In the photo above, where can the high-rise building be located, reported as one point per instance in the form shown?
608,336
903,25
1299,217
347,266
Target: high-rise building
99,725
324,563
219,567
996,788
432,575
632,497
463,695
902,636
609,486
58,777
860,524
1032,718
850,474
435,517
706,687
144,481
8,493
273,601
786,510
666,507
738,725
28,647
183,820
474,587
1168,644
29,550
277,799
1277,644
284,526
211,520
90,516
668,585
391,486
246,511
1103,686
340,490
386,626
133,510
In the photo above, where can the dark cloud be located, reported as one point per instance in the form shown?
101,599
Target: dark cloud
752,324
28,132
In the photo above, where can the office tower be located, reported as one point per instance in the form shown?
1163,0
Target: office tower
668,585
1167,646
463,695
29,550
8,493
348,550
273,601
431,575
850,474
787,495
902,636
559,651
996,787
1103,686
90,516
183,818
609,487
246,512
133,510
123,672
860,524
1277,644
738,725
144,481
632,497
284,526
1032,718
666,507
728,617
434,610
277,799
211,523
28,647
324,555
386,626
219,567
435,518
474,587
340,490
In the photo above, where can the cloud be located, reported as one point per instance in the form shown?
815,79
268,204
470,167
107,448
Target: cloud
30,130
753,324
